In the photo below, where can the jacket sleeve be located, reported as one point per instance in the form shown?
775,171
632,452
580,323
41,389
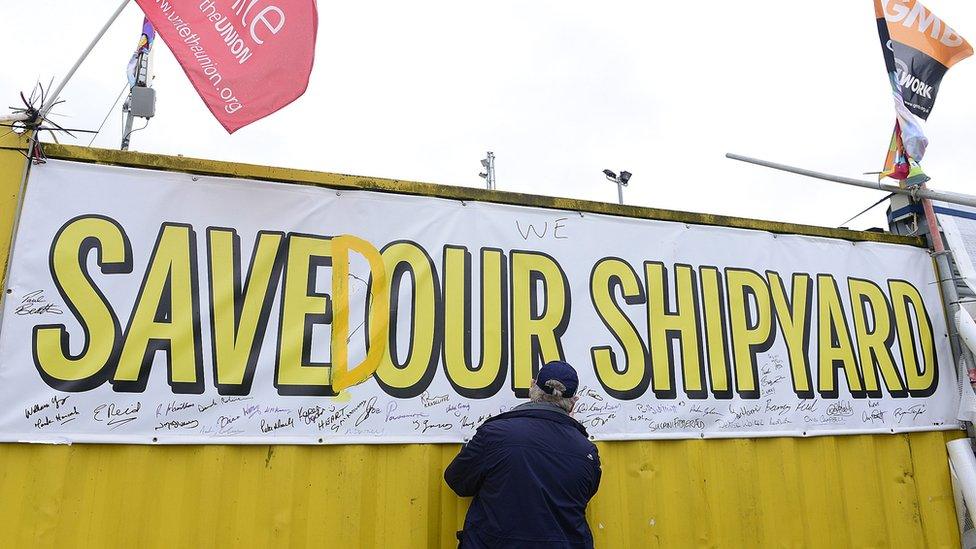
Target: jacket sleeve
465,474
597,472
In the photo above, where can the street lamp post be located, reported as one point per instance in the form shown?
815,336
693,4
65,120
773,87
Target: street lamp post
621,181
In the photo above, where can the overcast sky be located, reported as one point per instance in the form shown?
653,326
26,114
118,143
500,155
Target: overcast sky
559,90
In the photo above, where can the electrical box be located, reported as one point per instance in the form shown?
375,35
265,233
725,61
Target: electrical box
143,103
901,209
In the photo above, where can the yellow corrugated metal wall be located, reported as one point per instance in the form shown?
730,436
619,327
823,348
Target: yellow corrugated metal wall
851,491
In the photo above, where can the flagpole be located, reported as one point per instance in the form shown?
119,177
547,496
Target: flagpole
919,193
52,99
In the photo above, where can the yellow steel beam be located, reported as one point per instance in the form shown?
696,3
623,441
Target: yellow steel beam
12,164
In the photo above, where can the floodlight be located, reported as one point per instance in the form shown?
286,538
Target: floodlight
621,182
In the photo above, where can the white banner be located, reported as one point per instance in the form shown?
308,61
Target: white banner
163,307
958,224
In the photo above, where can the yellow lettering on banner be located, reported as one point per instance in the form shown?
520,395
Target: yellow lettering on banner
487,378
751,327
536,334
239,317
716,337
664,327
411,376
793,315
301,308
378,328
922,378
874,331
835,347
166,317
68,262
629,380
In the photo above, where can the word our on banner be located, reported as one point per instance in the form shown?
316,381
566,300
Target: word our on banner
245,58
144,307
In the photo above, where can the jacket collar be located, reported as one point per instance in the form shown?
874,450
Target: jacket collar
542,410
540,406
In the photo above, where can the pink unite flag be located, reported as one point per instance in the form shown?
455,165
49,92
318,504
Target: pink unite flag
246,58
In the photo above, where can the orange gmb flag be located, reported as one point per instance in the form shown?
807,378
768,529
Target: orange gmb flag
919,48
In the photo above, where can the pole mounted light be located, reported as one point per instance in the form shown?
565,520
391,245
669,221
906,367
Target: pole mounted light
621,180
488,163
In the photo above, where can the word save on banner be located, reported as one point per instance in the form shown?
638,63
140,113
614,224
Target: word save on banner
246,58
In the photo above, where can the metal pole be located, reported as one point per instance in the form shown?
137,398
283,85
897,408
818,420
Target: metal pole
917,192
142,78
949,295
127,130
491,170
489,174
11,118
52,99
620,191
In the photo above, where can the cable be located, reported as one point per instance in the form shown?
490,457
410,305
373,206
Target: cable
146,125
109,113
866,210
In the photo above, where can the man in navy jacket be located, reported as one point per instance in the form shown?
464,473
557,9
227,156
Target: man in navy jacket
531,471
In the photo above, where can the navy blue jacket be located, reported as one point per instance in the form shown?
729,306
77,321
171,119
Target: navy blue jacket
531,471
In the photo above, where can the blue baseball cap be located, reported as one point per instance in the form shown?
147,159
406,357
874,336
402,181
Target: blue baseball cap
561,372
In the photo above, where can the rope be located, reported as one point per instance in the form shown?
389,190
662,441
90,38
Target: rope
109,113
866,210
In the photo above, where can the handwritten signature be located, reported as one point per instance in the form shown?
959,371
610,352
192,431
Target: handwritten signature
429,400
116,416
840,409
177,424
35,304
913,411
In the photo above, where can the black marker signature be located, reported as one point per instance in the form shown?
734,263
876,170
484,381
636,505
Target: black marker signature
116,416
35,304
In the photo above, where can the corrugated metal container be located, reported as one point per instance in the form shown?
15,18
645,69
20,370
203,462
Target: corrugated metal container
850,491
